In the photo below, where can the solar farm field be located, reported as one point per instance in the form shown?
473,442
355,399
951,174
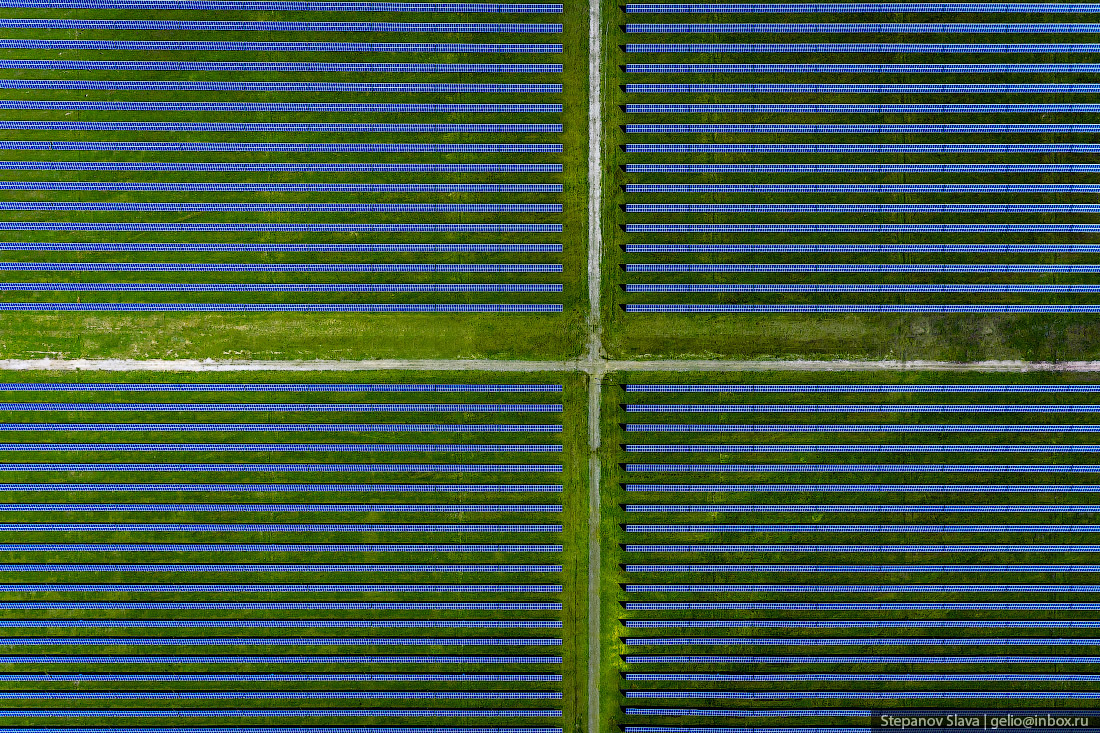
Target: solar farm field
845,178
292,178
788,550
395,551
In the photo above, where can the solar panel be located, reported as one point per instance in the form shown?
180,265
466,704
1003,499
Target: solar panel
814,508
278,606
736,208
285,288
275,624
276,25
302,487
276,207
725,713
279,588
269,547
673,308
270,247
287,427
279,568
683,729
281,86
828,288
297,467
189,267
282,406
289,167
268,227
873,677
270,187
803,568
296,695
286,147
270,527
891,248
271,5
858,695
850,624
276,641
856,467
308,66
821,228
845,68
732,388
858,148
966,48
277,106
859,129
357,508
862,606
263,487
885,269
842,528
295,729
293,713
216,677
863,168
872,488
281,46
860,408
862,659
858,548
864,8
841,448
835,89
938,28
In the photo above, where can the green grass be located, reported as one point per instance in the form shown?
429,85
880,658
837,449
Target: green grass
614,497
297,335
785,336
287,336
573,538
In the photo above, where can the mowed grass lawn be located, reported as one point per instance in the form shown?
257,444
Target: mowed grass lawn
299,335
917,335
765,488
16,602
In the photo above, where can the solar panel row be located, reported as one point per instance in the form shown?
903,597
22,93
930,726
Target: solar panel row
473,593
481,508
158,79
276,547
277,107
671,162
285,66
740,8
271,5
328,288
843,388
272,187
277,624
289,46
186,267
261,487
277,25
488,695
274,247
283,677
293,713
728,574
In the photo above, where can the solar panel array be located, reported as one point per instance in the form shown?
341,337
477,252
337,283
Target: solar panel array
365,554
824,552
189,138
878,137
